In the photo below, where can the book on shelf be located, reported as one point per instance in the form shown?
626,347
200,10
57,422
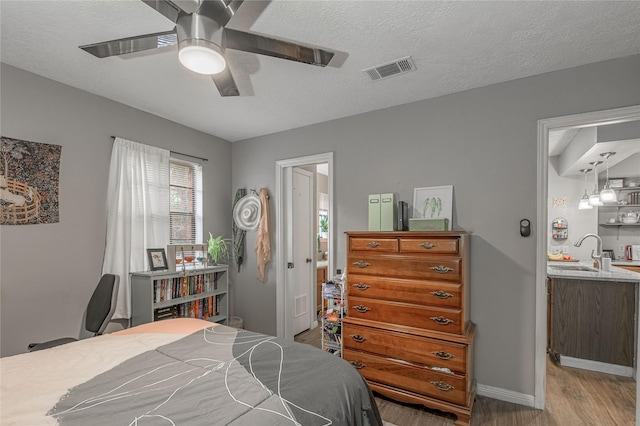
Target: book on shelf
167,289
173,288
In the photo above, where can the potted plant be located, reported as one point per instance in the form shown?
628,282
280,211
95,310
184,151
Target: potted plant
218,248
324,224
324,229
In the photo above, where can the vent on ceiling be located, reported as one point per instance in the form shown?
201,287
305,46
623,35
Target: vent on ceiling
399,66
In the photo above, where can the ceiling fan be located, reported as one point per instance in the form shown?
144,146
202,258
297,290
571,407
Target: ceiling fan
202,39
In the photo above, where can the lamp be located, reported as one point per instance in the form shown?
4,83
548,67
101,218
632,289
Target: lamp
201,56
584,201
608,195
594,199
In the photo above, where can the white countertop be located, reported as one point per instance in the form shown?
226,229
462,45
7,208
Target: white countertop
626,262
616,274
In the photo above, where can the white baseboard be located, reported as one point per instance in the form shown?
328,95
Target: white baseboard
602,367
505,395
529,400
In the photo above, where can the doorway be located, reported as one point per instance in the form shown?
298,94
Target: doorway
285,231
302,251
544,127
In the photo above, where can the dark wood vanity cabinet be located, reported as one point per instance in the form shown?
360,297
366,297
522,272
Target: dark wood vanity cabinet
592,320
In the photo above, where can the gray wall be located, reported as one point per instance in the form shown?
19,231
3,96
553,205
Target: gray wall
48,272
482,141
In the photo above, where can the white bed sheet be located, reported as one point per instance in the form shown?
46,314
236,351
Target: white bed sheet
32,383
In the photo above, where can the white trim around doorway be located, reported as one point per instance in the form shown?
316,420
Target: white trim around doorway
544,126
284,312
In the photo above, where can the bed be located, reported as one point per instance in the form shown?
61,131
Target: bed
183,372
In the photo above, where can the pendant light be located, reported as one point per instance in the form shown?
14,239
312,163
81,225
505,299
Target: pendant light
594,199
584,201
608,195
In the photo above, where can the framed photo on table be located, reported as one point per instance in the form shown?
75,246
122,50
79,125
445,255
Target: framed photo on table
434,202
157,259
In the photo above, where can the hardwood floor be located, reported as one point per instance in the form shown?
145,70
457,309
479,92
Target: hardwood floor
575,397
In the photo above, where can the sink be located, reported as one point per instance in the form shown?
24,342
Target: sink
573,268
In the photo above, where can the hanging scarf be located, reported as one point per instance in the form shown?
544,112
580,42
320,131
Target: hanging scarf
238,234
263,245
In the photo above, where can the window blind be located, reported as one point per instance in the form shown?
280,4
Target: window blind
185,213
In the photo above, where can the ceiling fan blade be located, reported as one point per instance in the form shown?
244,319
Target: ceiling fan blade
220,11
253,43
131,44
166,8
225,83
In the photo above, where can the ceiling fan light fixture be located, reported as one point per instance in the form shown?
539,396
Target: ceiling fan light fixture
202,57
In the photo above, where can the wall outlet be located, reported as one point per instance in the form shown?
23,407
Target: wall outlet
565,249
621,248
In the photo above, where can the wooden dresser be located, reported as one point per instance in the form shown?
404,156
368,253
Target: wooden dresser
407,328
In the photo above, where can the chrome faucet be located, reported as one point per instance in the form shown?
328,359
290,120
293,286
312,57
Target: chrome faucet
596,254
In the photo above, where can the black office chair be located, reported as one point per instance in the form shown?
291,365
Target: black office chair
100,309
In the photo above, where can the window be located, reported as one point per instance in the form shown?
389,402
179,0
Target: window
185,212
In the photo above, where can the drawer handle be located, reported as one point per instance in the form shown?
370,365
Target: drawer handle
361,286
361,309
441,294
358,364
443,354
427,245
358,338
441,269
373,244
442,320
443,386
361,264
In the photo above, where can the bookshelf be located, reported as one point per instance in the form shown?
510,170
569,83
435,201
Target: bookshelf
195,293
332,313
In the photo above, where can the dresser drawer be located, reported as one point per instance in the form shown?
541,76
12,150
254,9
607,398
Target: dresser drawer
432,245
428,317
435,293
373,244
413,378
417,267
415,349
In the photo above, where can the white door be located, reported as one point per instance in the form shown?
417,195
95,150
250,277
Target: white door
302,201
284,229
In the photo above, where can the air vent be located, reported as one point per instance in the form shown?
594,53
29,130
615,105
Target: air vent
300,305
399,66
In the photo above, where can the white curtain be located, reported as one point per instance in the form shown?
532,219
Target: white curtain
137,212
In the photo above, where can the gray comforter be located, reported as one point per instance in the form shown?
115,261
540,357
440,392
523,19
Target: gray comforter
223,376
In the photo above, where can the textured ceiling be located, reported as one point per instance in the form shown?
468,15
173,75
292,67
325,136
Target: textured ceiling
455,45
